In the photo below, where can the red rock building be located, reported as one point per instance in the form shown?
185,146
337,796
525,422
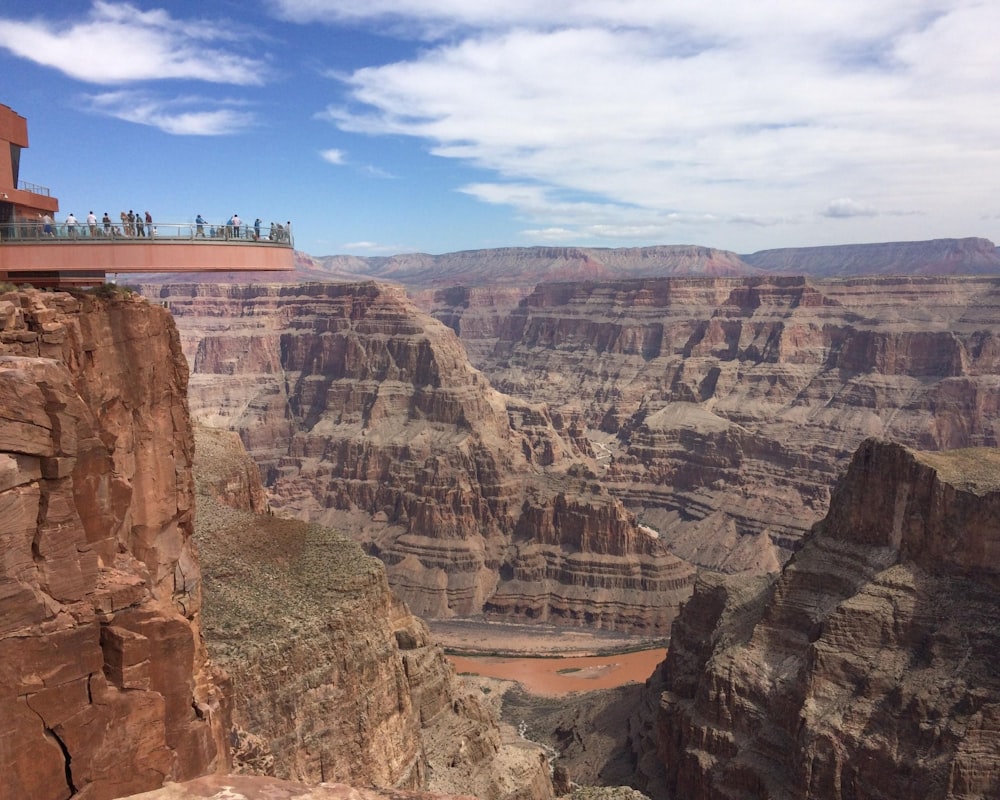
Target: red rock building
77,255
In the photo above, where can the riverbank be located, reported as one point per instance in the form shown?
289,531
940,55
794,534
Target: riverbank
478,637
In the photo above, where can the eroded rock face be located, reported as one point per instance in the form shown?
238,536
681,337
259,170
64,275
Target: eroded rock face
104,684
365,415
723,409
333,678
868,668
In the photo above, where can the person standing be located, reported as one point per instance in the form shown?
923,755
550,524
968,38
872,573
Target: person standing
139,230
106,221
149,224
92,224
200,229
236,225
71,225
256,229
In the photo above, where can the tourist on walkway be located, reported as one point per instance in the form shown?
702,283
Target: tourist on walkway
92,224
200,230
47,225
236,224
71,225
256,229
106,220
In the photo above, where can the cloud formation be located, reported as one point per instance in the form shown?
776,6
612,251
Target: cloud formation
117,43
183,116
692,116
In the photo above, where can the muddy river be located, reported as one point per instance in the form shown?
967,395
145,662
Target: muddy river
553,677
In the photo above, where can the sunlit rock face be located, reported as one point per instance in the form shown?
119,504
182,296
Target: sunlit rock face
104,684
365,414
868,667
721,410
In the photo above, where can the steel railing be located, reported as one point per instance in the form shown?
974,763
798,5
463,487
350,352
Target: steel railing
37,231
34,188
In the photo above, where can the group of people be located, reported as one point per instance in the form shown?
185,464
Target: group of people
235,229
133,224
138,224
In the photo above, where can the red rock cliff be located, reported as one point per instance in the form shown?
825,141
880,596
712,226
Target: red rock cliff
365,414
104,684
868,668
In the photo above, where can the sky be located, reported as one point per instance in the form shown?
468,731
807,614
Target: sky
380,127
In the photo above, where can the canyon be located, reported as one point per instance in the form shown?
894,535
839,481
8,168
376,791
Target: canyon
247,622
703,418
365,415
118,677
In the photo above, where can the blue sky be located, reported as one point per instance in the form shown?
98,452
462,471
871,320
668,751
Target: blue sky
392,126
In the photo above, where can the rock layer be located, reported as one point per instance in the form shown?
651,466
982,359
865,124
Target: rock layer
104,684
365,414
723,409
867,669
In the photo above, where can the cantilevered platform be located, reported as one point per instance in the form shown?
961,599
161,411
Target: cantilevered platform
175,251
36,248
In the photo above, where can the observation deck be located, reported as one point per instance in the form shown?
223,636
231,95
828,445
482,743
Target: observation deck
36,248
75,254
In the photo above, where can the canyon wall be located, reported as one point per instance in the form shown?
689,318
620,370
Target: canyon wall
365,415
867,669
333,679
104,684
721,410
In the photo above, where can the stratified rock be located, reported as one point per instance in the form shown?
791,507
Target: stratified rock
868,668
365,414
332,677
104,684
722,410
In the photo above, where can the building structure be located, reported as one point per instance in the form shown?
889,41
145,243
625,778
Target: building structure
36,248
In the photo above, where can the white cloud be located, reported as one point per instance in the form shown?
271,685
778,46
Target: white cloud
185,116
118,43
736,115
846,207
332,156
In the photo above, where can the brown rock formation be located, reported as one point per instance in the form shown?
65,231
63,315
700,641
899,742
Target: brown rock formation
724,408
868,668
333,678
353,403
104,685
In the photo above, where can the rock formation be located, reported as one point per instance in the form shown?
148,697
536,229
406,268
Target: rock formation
104,685
722,410
365,415
333,679
867,669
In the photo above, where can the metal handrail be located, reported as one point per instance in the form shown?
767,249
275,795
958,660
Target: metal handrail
36,232
34,188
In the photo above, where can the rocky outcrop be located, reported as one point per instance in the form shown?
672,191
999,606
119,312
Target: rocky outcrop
722,410
365,415
867,668
104,684
333,678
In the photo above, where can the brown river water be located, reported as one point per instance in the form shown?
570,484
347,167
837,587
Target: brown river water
553,677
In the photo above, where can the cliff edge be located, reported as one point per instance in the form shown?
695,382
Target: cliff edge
104,684
867,669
